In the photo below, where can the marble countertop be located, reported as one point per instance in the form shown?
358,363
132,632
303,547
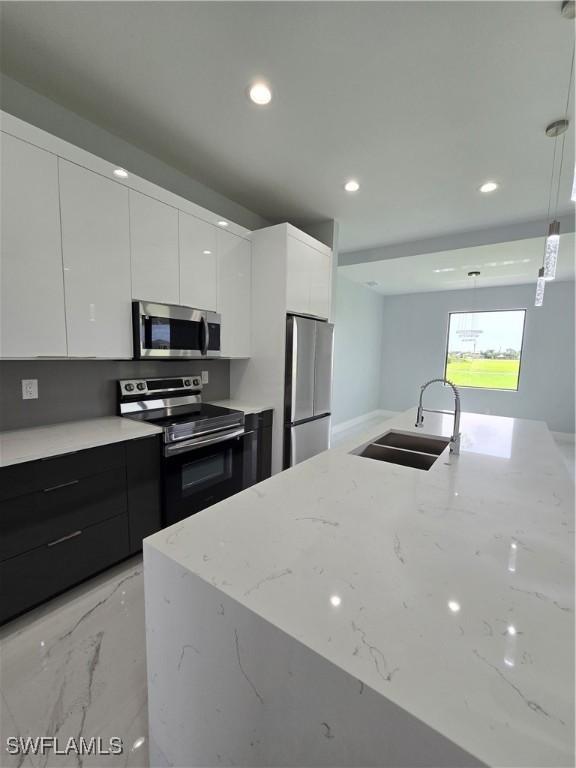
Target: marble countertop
20,445
240,405
450,592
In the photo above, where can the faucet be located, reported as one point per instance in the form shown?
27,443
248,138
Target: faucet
455,439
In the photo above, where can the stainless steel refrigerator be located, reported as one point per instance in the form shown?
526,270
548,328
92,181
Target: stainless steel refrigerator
308,388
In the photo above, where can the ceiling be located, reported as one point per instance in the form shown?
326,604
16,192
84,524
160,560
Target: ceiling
511,263
421,102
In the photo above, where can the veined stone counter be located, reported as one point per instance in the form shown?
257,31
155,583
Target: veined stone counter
350,612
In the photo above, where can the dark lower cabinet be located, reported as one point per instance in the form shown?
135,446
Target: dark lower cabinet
31,578
264,445
66,518
143,476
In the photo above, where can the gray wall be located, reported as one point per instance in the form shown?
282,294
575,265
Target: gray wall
28,105
415,329
358,343
86,389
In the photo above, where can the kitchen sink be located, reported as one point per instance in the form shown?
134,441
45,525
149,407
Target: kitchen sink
406,449
434,445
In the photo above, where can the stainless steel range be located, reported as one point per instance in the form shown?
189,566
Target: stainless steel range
207,451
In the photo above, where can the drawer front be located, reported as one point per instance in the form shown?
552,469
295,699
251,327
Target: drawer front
33,476
30,579
39,518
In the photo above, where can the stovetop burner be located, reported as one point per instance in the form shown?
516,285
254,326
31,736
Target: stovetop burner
177,407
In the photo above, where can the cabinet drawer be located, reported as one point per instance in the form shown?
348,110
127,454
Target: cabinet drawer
30,579
33,476
45,516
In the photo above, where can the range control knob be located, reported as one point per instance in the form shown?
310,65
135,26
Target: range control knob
129,387
187,382
140,385
196,382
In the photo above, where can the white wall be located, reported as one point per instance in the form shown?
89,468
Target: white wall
358,343
414,346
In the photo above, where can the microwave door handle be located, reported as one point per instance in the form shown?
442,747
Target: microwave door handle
205,335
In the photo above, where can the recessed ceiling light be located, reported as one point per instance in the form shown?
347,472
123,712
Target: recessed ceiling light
206,252
489,186
454,606
352,186
260,93
335,600
444,269
222,223
120,173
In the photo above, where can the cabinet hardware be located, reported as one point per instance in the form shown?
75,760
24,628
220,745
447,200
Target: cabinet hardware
65,538
61,485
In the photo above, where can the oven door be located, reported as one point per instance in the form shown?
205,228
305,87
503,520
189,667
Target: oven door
202,471
166,331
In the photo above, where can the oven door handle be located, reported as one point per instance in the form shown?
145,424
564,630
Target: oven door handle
195,443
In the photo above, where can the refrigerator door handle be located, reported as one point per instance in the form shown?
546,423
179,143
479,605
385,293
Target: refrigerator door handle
294,376
323,368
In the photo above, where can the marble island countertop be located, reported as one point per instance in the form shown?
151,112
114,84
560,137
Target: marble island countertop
20,445
450,592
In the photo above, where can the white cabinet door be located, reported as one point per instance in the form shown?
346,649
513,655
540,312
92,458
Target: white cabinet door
320,282
308,279
96,252
234,293
297,276
198,263
32,320
154,247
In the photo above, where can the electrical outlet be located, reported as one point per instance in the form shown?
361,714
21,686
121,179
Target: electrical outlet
205,377
29,389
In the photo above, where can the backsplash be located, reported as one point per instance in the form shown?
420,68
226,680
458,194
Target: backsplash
69,390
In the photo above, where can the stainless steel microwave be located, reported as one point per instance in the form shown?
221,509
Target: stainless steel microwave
170,331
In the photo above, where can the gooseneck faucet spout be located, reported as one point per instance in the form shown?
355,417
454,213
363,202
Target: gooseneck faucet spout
455,439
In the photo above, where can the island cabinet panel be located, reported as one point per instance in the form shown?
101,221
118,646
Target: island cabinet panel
154,249
67,517
96,253
234,293
198,263
32,320
143,474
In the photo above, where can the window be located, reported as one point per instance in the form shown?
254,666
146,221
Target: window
484,349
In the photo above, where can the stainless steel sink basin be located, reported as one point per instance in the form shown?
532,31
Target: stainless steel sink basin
434,445
404,448
398,456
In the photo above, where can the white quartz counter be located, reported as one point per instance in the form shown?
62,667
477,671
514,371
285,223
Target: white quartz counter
450,592
238,405
20,445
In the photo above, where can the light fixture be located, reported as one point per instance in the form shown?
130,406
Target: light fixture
551,249
222,223
260,93
335,600
553,130
489,186
540,286
351,186
444,269
511,629
454,606
120,173
206,252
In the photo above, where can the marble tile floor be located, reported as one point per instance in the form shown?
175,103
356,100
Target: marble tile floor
77,666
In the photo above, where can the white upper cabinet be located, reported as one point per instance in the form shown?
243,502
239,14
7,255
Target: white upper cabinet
308,279
154,247
234,293
96,253
32,320
198,263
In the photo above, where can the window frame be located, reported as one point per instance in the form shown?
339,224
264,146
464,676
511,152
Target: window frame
486,311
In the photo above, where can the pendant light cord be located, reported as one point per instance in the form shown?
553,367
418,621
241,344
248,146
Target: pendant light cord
563,140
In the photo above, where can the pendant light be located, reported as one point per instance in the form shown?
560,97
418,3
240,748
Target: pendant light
552,241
